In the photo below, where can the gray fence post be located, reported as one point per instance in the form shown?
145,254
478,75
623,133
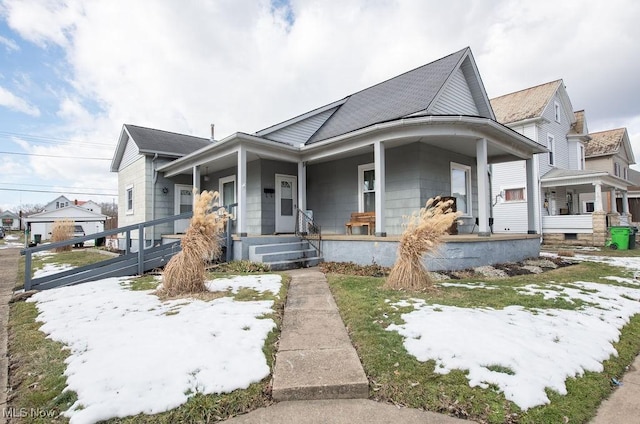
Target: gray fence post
127,247
27,271
141,244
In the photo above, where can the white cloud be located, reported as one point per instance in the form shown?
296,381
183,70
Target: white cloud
9,44
243,65
13,102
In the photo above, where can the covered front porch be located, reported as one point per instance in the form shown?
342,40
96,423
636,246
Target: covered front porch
580,206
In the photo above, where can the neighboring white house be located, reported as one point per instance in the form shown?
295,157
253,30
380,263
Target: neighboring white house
566,190
10,220
42,223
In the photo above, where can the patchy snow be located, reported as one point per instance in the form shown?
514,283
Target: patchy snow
49,269
540,347
479,285
259,283
132,353
10,242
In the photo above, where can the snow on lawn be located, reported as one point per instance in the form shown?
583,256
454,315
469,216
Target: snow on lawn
132,353
259,283
48,269
11,242
524,351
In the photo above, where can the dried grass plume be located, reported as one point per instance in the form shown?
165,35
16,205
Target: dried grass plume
185,272
423,233
62,230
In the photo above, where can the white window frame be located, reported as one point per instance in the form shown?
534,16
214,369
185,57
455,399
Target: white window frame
361,191
580,156
551,145
128,189
222,182
616,169
467,170
524,194
584,206
556,111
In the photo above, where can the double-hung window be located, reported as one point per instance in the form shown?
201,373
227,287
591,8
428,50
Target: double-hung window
129,200
551,145
367,188
461,187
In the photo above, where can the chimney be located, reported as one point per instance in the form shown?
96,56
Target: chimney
213,128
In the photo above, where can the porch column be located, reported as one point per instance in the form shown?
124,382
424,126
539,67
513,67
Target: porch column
483,188
241,211
532,208
625,202
380,186
302,186
612,201
196,179
597,204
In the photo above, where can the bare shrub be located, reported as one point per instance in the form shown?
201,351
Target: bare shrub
423,233
185,272
62,230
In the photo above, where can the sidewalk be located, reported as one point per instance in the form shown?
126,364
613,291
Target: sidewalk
318,377
623,406
8,274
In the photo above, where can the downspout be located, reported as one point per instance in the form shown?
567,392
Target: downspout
153,196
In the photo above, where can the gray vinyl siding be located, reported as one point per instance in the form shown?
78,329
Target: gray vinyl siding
456,98
130,155
260,207
414,173
300,132
559,130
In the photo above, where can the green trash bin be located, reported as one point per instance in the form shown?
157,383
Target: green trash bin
37,238
620,237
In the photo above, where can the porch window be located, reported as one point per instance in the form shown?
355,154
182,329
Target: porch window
551,144
367,188
589,207
227,190
514,195
461,187
129,200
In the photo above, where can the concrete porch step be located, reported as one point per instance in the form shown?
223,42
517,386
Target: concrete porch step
295,263
285,255
315,358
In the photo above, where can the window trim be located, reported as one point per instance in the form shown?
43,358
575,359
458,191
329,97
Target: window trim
616,169
625,173
580,156
361,191
551,145
224,180
467,170
129,189
524,194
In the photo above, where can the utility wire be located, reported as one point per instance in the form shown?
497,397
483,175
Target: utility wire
58,191
52,156
52,139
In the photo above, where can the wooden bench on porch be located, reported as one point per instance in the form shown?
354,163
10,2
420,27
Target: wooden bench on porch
362,219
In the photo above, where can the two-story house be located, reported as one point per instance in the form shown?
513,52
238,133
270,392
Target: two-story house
574,201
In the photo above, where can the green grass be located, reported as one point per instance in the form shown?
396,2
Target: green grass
397,377
37,368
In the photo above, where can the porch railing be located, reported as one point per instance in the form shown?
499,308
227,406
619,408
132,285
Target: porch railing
567,224
129,263
308,230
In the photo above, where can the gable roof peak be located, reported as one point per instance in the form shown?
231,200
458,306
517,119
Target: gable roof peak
410,92
530,103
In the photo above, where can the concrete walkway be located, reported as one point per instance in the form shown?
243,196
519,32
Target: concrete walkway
8,274
623,406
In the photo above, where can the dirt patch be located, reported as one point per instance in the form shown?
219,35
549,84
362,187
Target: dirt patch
510,269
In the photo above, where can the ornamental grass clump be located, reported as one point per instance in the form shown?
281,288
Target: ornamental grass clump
62,230
185,272
423,233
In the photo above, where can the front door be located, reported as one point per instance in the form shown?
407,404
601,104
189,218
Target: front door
183,203
286,203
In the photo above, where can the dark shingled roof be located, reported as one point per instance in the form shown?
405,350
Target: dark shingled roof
411,92
150,140
604,143
524,104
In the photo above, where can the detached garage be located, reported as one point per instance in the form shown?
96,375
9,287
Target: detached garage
40,225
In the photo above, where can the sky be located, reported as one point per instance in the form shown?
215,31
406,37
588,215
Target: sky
115,335
73,72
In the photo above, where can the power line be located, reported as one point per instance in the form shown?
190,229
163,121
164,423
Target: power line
59,191
52,156
53,139
40,185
